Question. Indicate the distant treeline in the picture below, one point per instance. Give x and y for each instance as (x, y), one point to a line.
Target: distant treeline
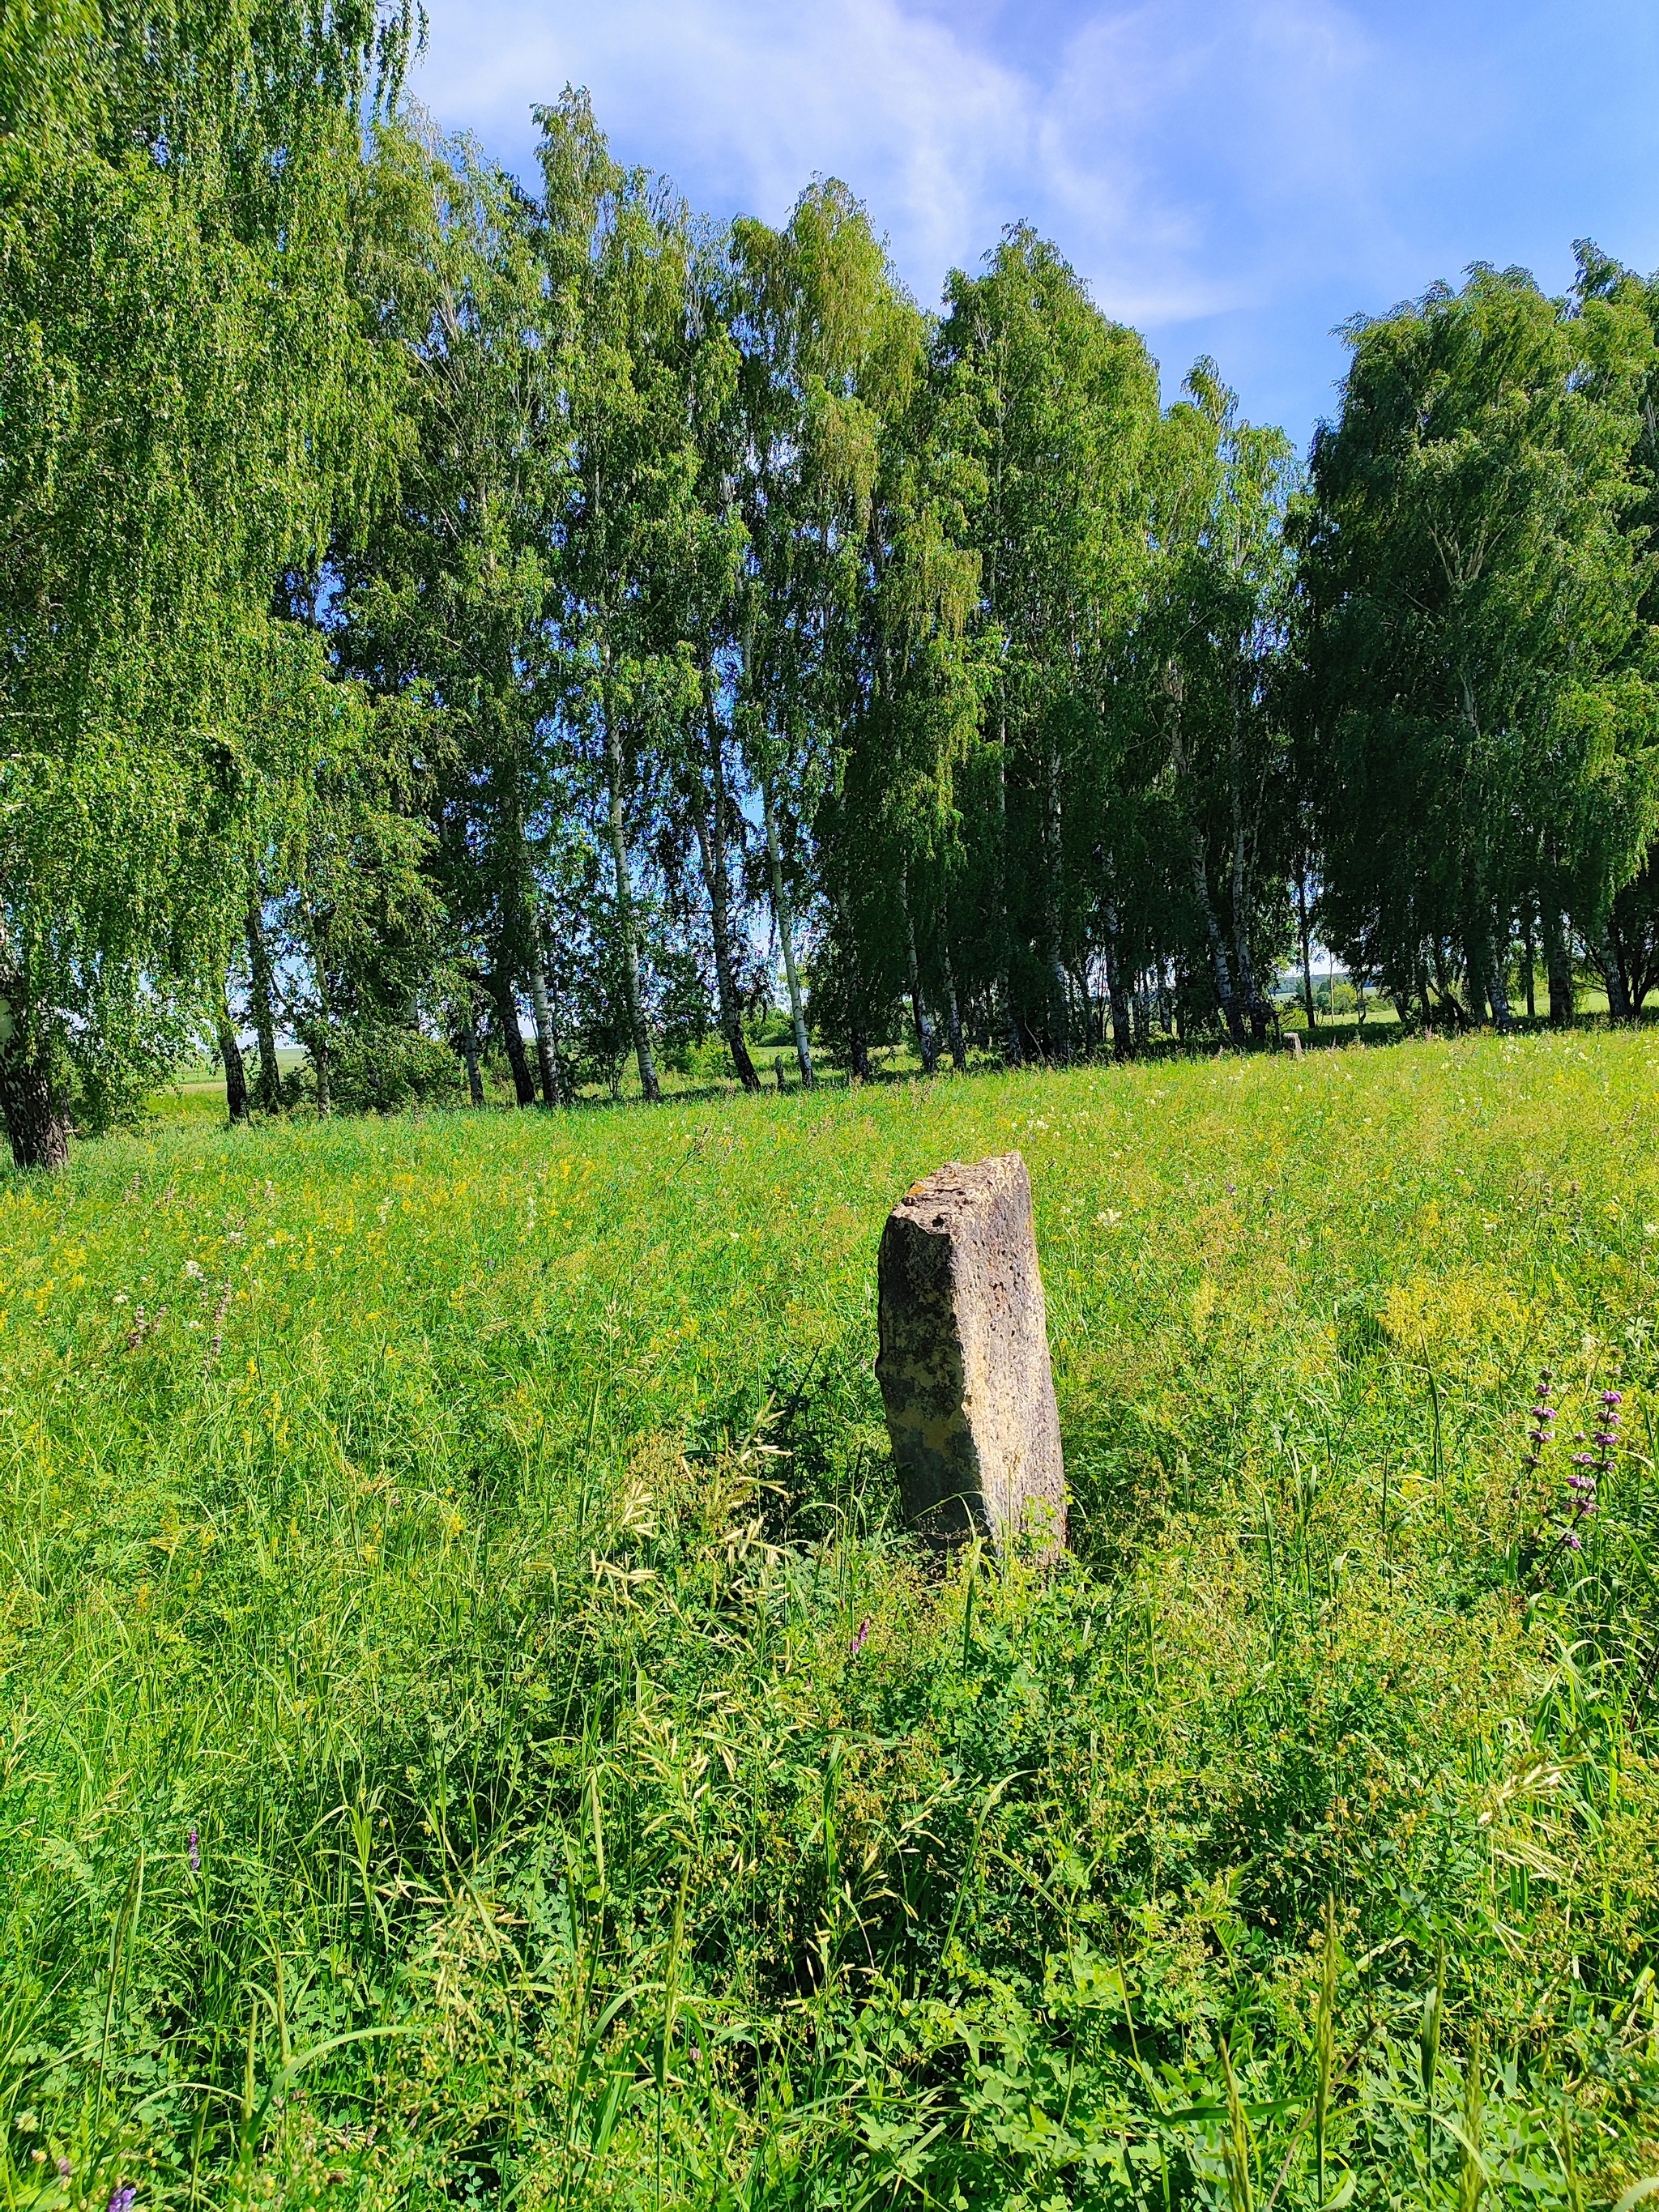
(433, 606)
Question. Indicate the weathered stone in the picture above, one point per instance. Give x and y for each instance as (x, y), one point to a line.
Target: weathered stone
(963, 1364)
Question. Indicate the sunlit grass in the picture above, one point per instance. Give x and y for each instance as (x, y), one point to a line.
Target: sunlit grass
(461, 1526)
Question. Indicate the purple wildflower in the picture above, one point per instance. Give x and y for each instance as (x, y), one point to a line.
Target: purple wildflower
(195, 1855)
(64, 2169)
(861, 1636)
(1613, 1397)
(121, 2199)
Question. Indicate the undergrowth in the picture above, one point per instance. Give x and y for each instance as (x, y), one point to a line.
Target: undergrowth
(474, 1731)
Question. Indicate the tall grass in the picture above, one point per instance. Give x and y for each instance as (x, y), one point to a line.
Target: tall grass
(474, 1732)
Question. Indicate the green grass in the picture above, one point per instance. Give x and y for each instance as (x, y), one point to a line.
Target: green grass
(461, 1526)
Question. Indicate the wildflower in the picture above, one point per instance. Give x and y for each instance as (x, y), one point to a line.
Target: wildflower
(63, 2167)
(121, 2199)
(217, 1344)
(1613, 1397)
(193, 1269)
(861, 1636)
(195, 1854)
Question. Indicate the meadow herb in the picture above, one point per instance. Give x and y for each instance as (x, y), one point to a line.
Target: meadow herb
(609, 1805)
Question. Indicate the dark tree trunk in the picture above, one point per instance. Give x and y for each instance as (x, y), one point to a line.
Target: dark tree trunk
(261, 995)
(858, 1052)
(712, 850)
(37, 1127)
(1606, 948)
(1558, 966)
(1123, 1042)
(230, 1052)
(506, 1020)
(918, 1006)
(1304, 939)
(475, 1090)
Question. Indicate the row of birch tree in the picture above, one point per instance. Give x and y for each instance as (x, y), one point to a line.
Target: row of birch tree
(520, 632)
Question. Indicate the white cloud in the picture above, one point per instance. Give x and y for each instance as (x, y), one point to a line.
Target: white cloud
(741, 102)
(1149, 134)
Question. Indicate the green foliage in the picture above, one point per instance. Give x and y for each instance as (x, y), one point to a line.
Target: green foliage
(457, 1533)
(382, 1070)
(189, 404)
(1479, 678)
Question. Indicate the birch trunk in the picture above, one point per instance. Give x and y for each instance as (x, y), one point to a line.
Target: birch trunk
(1557, 967)
(475, 1090)
(320, 1029)
(643, 1053)
(1012, 1047)
(952, 1005)
(1498, 992)
(1123, 1042)
(1252, 1008)
(499, 986)
(1223, 982)
(918, 1006)
(786, 934)
(1307, 958)
(1059, 997)
(260, 993)
(541, 1007)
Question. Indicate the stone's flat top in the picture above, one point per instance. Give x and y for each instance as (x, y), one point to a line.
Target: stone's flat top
(975, 1181)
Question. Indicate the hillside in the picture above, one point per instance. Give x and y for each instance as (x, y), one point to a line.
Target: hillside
(473, 1731)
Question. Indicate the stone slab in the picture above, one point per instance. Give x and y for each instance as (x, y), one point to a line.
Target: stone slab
(963, 1364)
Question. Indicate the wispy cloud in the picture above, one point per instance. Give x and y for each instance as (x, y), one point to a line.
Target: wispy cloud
(1238, 172)
(947, 139)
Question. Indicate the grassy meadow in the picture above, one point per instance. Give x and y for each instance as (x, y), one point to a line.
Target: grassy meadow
(474, 1733)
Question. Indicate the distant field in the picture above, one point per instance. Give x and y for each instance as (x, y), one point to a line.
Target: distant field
(436, 1766)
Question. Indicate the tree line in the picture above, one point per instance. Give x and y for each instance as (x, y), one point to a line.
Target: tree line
(468, 625)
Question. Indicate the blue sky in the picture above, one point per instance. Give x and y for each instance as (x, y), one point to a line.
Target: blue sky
(1234, 178)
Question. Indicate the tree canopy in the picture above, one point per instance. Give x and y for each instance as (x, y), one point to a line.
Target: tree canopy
(453, 619)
